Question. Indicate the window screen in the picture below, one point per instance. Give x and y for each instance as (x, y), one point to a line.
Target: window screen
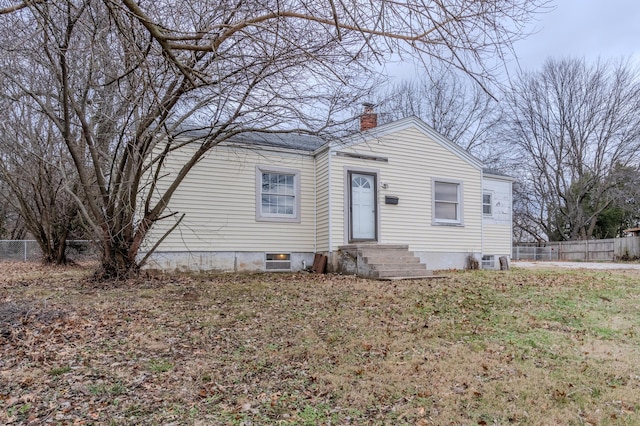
(446, 201)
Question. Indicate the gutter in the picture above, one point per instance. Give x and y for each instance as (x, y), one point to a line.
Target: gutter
(329, 200)
(315, 205)
(482, 216)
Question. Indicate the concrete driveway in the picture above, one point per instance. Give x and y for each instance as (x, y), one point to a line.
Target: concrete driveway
(575, 265)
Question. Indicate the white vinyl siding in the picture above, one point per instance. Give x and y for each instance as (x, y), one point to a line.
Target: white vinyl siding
(413, 159)
(322, 201)
(219, 199)
(496, 239)
(497, 228)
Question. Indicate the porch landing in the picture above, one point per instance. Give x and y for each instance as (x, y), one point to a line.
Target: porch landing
(381, 261)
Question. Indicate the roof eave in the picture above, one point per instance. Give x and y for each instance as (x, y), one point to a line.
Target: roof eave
(498, 177)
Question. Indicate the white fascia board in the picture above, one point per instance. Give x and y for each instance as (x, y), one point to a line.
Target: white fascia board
(323, 148)
(403, 124)
(498, 177)
(268, 148)
(255, 147)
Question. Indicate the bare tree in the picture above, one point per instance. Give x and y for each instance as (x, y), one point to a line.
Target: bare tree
(574, 127)
(11, 223)
(463, 112)
(36, 172)
(121, 80)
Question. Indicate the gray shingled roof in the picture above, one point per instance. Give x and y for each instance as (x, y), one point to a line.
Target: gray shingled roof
(296, 141)
(281, 140)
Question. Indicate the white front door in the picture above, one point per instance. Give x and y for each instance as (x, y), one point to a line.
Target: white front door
(363, 207)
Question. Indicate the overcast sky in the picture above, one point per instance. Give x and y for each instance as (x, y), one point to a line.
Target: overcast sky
(609, 29)
(590, 29)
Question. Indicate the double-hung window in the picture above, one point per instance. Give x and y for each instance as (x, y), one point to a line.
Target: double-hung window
(277, 194)
(447, 202)
(487, 204)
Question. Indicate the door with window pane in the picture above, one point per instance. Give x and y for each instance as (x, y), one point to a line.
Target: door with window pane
(363, 207)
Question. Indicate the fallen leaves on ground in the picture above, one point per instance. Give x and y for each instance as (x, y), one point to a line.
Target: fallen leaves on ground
(470, 348)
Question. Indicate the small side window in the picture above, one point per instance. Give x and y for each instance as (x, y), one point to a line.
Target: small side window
(487, 204)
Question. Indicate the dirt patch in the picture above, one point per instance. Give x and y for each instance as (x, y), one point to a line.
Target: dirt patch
(16, 316)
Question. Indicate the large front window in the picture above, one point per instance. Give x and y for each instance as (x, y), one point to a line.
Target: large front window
(277, 194)
(447, 202)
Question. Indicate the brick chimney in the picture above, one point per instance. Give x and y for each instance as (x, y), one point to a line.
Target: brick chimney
(369, 119)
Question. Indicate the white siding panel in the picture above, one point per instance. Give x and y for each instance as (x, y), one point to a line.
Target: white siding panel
(219, 199)
(413, 160)
(497, 228)
(338, 226)
(500, 191)
(496, 240)
(322, 204)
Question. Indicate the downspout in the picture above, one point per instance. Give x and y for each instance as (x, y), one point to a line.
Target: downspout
(329, 200)
(511, 222)
(482, 216)
(315, 204)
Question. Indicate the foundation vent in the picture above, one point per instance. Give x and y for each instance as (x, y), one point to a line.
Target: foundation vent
(488, 262)
(278, 262)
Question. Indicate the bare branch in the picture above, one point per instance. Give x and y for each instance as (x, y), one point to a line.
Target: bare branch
(19, 6)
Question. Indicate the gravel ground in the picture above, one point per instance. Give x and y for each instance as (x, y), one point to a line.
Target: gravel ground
(575, 265)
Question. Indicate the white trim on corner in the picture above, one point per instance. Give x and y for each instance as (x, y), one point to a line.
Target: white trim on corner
(315, 205)
(482, 217)
(511, 219)
(262, 217)
(460, 204)
(329, 196)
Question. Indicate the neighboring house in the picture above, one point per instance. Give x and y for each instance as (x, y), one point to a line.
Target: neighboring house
(270, 202)
(632, 232)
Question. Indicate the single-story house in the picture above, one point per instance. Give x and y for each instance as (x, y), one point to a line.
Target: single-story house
(265, 202)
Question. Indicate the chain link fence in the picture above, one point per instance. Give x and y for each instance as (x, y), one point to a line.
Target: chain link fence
(535, 253)
(29, 251)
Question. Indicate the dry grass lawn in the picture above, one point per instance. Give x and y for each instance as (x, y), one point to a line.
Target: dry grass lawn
(471, 348)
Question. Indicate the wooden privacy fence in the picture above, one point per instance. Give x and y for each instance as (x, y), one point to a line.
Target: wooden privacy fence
(586, 250)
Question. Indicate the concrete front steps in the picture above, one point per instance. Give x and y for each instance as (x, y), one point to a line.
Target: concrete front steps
(381, 261)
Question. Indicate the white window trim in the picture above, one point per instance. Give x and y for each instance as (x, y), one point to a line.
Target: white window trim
(490, 194)
(270, 217)
(460, 207)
